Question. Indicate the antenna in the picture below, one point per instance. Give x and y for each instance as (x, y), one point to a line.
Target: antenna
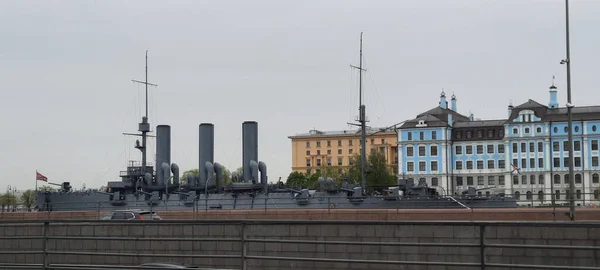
(144, 126)
(362, 120)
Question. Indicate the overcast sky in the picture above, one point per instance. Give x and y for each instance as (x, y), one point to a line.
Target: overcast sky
(66, 69)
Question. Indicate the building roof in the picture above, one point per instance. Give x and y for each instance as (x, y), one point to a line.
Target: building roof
(333, 133)
(480, 123)
(435, 117)
(558, 114)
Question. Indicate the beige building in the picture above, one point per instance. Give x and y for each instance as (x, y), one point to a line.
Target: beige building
(316, 149)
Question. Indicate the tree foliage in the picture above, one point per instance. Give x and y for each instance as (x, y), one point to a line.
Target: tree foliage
(28, 199)
(8, 200)
(226, 175)
(377, 172)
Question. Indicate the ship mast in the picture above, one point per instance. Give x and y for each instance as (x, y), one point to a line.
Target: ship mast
(362, 120)
(144, 126)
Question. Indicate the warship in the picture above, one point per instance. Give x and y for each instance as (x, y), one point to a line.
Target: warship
(160, 187)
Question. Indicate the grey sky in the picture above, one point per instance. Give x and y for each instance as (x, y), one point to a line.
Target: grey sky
(66, 70)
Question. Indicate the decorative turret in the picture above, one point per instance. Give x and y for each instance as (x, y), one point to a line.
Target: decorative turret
(443, 102)
(510, 109)
(553, 96)
(453, 102)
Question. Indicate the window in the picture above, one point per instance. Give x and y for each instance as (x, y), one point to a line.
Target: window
(458, 149)
(515, 180)
(501, 181)
(532, 163)
(318, 152)
(566, 129)
(500, 149)
(459, 181)
(523, 163)
(517, 195)
(566, 146)
(409, 135)
(382, 141)
(577, 161)
(328, 143)
(339, 161)
(576, 129)
(459, 135)
(523, 147)
(350, 151)
(328, 161)
(578, 179)
(469, 149)
(578, 192)
(307, 144)
(469, 180)
(459, 165)
(308, 152)
(555, 146)
(557, 194)
(501, 164)
(524, 179)
(556, 162)
(491, 180)
(339, 142)
(490, 133)
(567, 179)
(594, 145)
(596, 192)
(480, 164)
(577, 146)
(434, 182)
(490, 164)
(480, 134)
(531, 147)
(469, 134)
(329, 152)
(469, 164)
(434, 166)
(421, 151)
(421, 135)
(480, 149)
(350, 142)
(490, 149)
(532, 179)
(526, 130)
(480, 181)
(594, 161)
(339, 151)
(594, 128)
(595, 178)
(566, 162)
(556, 179)
(541, 163)
(422, 166)
(307, 162)
(434, 150)
(541, 180)
(538, 130)
(318, 143)
(410, 151)
(410, 166)
(515, 162)
(555, 130)
(372, 141)
(515, 148)
(529, 195)
(434, 137)
(318, 162)
(515, 131)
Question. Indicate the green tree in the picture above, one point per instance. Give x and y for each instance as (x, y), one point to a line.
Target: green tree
(28, 199)
(226, 175)
(7, 200)
(378, 173)
(296, 179)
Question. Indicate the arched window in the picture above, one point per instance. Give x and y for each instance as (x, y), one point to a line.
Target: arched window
(567, 179)
(541, 196)
(529, 195)
(532, 179)
(541, 180)
(517, 195)
(578, 179)
(524, 179)
(556, 179)
(595, 178)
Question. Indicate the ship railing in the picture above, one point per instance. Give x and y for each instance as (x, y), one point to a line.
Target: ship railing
(298, 244)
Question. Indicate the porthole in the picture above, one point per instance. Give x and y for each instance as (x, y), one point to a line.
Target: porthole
(555, 130)
(566, 129)
(576, 129)
(594, 128)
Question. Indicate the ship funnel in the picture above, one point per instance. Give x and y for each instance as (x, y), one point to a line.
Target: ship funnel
(249, 149)
(163, 150)
(206, 142)
(262, 167)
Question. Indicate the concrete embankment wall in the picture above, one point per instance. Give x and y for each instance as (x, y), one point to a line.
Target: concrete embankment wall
(133, 243)
(516, 214)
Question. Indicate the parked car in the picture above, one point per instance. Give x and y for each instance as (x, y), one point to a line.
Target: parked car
(131, 214)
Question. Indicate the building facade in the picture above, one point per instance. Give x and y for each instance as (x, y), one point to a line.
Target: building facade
(525, 154)
(317, 149)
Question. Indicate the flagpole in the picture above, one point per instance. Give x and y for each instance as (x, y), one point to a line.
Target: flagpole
(36, 181)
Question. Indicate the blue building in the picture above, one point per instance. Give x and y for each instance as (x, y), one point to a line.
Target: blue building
(525, 154)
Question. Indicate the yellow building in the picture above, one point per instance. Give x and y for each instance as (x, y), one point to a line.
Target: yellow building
(316, 149)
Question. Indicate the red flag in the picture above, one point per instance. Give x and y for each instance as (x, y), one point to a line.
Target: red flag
(40, 177)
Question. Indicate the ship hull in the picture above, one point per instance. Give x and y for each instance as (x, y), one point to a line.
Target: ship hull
(74, 201)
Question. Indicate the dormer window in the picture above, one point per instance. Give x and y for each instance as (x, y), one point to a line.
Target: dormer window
(421, 123)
